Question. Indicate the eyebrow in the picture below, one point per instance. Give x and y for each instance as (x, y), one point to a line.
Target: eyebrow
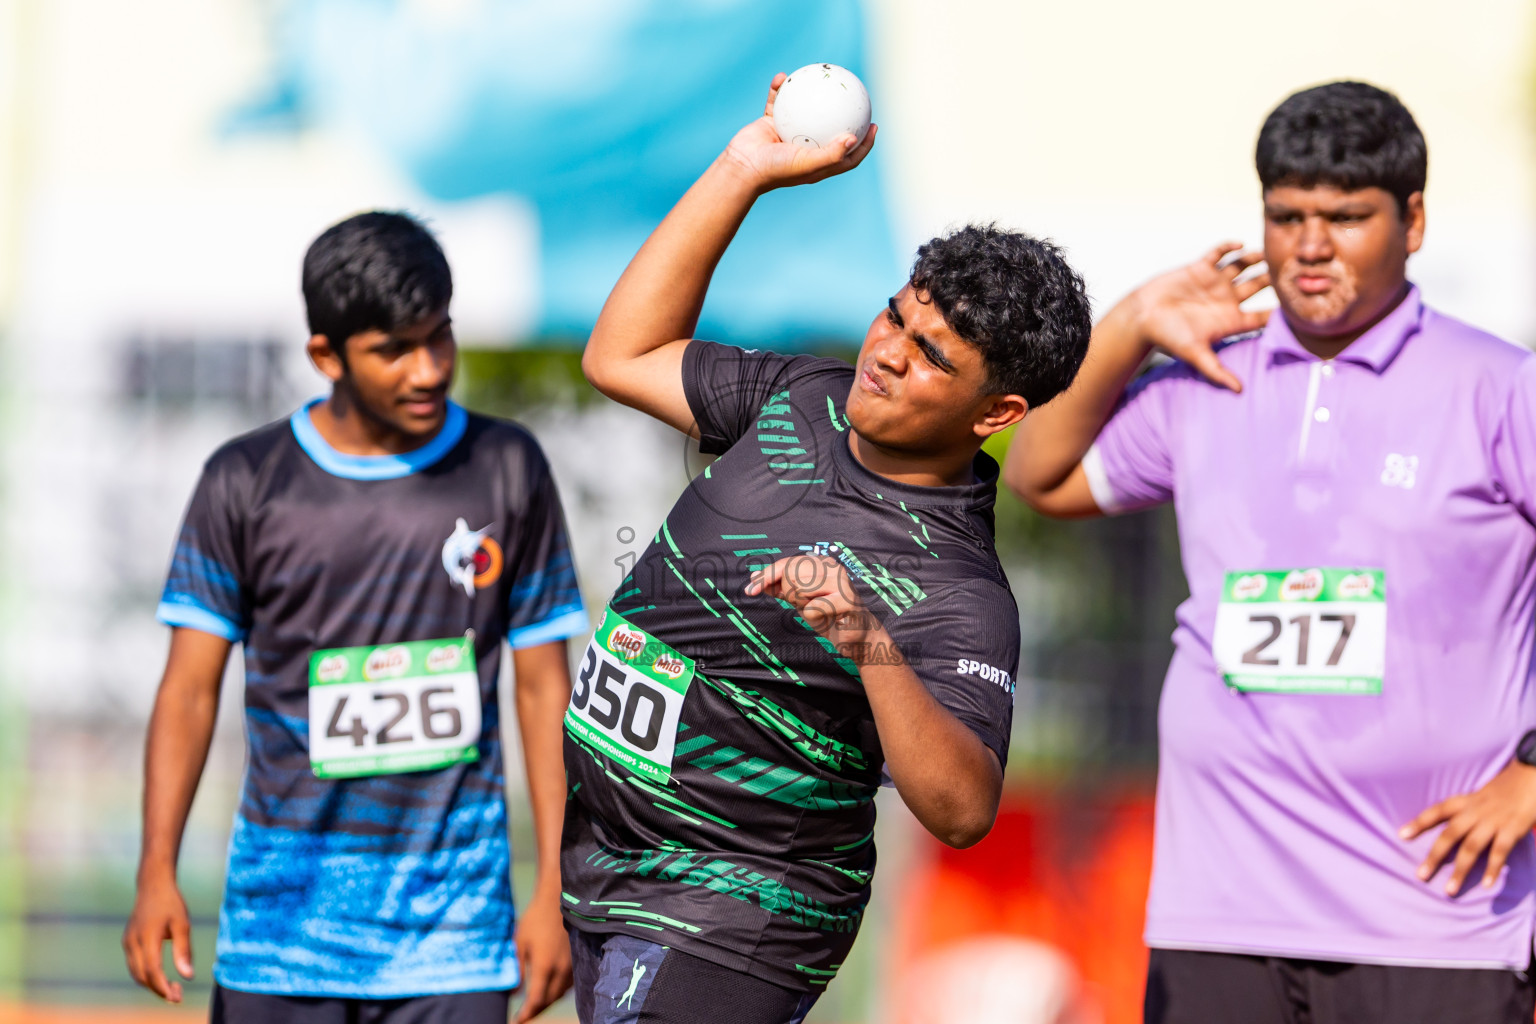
(927, 347)
(1348, 209)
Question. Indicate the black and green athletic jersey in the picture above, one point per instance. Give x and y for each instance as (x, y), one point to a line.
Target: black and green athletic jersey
(757, 852)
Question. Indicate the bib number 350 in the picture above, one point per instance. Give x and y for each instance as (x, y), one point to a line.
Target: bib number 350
(627, 699)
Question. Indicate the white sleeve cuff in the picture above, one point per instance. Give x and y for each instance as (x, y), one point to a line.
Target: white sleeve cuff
(1098, 483)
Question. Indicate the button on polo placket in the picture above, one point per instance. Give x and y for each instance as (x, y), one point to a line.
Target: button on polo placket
(1316, 444)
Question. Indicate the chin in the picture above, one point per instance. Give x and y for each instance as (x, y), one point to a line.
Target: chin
(420, 426)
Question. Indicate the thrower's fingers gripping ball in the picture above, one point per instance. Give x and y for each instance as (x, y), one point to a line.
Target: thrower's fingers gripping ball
(818, 103)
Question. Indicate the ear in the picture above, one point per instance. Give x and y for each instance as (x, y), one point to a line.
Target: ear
(1000, 413)
(325, 358)
(1413, 216)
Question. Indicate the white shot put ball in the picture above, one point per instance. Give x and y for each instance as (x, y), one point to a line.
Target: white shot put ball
(818, 103)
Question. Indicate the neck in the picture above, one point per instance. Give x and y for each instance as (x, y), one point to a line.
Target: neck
(947, 470)
(1328, 346)
(351, 429)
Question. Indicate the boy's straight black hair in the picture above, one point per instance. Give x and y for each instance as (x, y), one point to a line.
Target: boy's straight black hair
(1347, 134)
(375, 271)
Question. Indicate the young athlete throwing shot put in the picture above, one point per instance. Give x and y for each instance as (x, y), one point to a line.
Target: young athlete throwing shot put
(1356, 499)
(370, 552)
(822, 604)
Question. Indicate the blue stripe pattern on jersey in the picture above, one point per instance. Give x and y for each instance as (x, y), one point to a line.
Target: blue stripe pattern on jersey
(329, 912)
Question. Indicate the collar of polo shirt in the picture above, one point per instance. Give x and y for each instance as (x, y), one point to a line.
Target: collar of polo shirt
(1376, 348)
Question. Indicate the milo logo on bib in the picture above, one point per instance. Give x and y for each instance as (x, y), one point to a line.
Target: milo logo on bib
(1302, 585)
(387, 663)
(626, 642)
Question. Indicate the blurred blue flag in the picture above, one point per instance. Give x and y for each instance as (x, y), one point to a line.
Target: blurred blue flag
(601, 113)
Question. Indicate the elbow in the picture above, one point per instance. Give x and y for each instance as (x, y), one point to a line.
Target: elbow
(1017, 478)
(963, 825)
(964, 833)
(592, 367)
(1030, 493)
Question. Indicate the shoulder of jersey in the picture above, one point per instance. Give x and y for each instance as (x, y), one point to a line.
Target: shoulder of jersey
(250, 450)
(989, 602)
(508, 438)
(805, 367)
(1472, 346)
(1166, 368)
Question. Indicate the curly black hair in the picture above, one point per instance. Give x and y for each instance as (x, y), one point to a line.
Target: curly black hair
(1346, 134)
(1013, 297)
(375, 271)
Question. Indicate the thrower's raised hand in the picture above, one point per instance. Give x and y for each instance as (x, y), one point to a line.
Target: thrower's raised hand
(769, 162)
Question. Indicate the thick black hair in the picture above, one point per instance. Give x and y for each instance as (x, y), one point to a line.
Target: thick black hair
(1346, 134)
(1013, 297)
(373, 272)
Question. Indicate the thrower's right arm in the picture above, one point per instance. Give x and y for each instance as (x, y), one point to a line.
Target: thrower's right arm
(635, 354)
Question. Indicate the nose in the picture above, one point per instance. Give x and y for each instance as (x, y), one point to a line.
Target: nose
(431, 366)
(1316, 242)
(890, 353)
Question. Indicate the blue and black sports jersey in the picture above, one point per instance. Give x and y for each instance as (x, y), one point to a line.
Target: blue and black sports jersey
(385, 885)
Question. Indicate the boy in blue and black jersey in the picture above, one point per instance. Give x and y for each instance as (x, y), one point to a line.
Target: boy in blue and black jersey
(370, 552)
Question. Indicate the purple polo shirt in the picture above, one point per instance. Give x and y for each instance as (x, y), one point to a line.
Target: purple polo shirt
(1413, 453)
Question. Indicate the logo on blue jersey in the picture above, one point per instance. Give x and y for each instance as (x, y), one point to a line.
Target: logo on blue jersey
(472, 558)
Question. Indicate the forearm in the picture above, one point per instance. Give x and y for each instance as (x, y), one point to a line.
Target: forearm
(1052, 440)
(180, 733)
(542, 693)
(659, 296)
(949, 779)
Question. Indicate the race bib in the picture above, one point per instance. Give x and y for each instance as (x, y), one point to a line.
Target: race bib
(628, 697)
(1303, 631)
(397, 708)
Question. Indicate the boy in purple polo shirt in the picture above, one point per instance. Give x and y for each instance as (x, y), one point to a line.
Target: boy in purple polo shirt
(1356, 499)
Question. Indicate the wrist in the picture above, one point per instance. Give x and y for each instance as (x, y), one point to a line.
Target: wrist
(867, 647)
(154, 874)
(736, 177)
(1127, 322)
(1525, 750)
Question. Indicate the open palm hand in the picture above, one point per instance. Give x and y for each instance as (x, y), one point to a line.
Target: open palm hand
(1185, 312)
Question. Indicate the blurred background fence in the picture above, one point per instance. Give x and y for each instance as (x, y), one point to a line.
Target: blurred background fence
(163, 164)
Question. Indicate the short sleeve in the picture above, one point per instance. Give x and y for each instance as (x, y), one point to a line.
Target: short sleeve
(727, 388)
(204, 589)
(544, 602)
(963, 643)
(1130, 465)
(1513, 451)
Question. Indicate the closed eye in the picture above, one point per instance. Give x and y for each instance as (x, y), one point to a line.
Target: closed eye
(892, 314)
(933, 355)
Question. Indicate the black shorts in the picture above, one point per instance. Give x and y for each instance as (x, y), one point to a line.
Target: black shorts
(622, 979)
(232, 1007)
(1188, 987)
